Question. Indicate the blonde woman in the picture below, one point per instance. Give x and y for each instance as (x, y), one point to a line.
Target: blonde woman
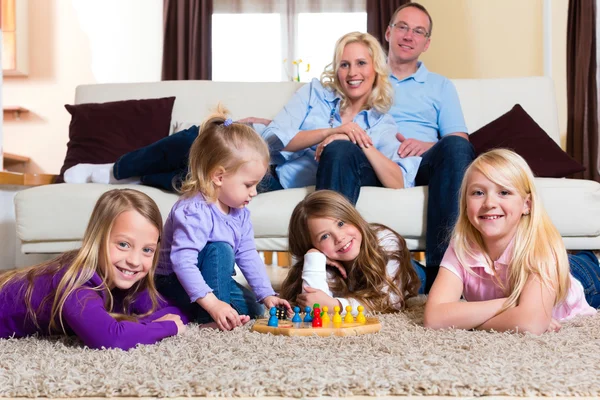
(103, 293)
(334, 133)
(507, 258)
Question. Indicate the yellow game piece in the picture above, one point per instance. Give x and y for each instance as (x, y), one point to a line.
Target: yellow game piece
(337, 318)
(348, 318)
(325, 316)
(360, 318)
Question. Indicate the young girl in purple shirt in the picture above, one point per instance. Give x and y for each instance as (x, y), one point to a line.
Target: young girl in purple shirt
(209, 230)
(104, 292)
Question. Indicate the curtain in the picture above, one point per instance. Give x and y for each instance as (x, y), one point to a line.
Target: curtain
(187, 40)
(379, 14)
(582, 89)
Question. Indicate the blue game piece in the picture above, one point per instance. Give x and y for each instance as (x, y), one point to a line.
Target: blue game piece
(273, 321)
(307, 317)
(297, 317)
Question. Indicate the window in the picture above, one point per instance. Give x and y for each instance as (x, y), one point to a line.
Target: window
(251, 40)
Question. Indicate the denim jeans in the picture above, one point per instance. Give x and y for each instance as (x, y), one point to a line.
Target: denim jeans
(442, 169)
(585, 268)
(162, 164)
(270, 182)
(421, 273)
(216, 263)
(344, 167)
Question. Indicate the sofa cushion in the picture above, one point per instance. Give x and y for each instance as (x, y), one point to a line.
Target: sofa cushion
(516, 130)
(100, 133)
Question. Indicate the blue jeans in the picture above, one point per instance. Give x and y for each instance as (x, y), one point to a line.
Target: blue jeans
(216, 263)
(343, 167)
(270, 182)
(421, 273)
(162, 164)
(585, 268)
(442, 169)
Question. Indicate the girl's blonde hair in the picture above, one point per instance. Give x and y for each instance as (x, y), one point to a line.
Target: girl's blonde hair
(221, 143)
(382, 95)
(538, 247)
(367, 276)
(93, 257)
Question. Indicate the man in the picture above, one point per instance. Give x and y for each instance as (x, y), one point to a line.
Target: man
(430, 122)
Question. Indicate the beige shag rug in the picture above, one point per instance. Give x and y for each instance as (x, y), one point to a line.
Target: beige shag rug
(403, 359)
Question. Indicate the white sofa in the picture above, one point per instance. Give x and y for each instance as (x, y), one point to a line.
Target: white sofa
(52, 218)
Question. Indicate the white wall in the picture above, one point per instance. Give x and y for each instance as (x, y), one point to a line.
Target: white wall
(74, 42)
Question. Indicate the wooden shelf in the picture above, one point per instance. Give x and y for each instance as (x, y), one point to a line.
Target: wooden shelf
(14, 178)
(15, 110)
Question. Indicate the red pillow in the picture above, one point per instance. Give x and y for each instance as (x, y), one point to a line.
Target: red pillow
(100, 133)
(517, 131)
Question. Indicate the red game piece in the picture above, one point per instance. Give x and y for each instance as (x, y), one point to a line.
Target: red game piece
(317, 322)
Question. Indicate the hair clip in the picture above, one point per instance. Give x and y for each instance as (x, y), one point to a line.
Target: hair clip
(227, 122)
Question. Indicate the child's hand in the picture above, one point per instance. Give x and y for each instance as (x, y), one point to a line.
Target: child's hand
(313, 296)
(332, 263)
(226, 317)
(274, 301)
(554, 326)
(175, 318)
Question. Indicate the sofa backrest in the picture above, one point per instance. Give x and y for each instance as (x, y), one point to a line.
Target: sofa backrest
(482, 100)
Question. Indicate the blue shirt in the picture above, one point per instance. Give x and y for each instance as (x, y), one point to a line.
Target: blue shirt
(426, 106)
(316, 107)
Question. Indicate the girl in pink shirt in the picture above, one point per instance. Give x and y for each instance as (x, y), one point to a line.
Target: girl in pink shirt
(507, 259)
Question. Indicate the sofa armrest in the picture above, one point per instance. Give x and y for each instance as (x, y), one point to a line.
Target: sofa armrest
(13, 178)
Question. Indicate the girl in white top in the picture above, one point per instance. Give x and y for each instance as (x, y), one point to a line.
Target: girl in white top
(506, 257)
(343, 260)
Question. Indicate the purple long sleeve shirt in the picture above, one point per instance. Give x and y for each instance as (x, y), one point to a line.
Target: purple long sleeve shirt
(191, 224)
(84, 314)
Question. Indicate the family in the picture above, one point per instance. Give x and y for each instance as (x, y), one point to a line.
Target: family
(371, 120)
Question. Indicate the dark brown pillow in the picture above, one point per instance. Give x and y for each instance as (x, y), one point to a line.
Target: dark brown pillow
(517, 131)
(100, 133)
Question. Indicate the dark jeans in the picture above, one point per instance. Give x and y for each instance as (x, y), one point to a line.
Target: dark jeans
(343, 167)
(585, 268)
(270, 182)
(162, 164)
(442, 169)
(216, 263)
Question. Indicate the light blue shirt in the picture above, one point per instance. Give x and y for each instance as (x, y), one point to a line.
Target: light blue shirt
(426, 106)
(316, 107)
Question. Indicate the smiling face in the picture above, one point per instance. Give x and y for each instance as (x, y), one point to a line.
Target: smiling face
(336, 239)
(494, 210)
(405, 45)
(356, 72)
(132, 243)
(237, 189)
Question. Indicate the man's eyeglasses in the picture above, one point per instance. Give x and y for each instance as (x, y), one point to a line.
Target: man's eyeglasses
(403, 28)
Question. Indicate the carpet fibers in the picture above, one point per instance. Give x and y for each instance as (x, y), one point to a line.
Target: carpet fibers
(403, 359)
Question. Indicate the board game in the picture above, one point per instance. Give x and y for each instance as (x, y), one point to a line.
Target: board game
(278, 324)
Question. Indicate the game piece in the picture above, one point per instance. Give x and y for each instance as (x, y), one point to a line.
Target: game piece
(348, 318)
(360, 318)
(337, 318)
(317, 322)
(316, 305)
(325, 316)
(281, 312)
(273, 321)
(307, 317)
(296, 317)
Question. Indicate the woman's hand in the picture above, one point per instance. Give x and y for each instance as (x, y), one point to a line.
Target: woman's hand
(356, 134)
(312, 296)
(321, 146)
(175, 318)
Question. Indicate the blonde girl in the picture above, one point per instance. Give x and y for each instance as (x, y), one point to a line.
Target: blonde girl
(343, 260)
(209, 230)
(507, 258)
(104, 292)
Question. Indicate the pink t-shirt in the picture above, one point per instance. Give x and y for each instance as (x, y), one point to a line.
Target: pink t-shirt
(481, 286)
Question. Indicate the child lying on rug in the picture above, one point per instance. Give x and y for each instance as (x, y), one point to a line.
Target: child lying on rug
(507, 258)
(209, 230)
(343, 260)
(103, 293)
